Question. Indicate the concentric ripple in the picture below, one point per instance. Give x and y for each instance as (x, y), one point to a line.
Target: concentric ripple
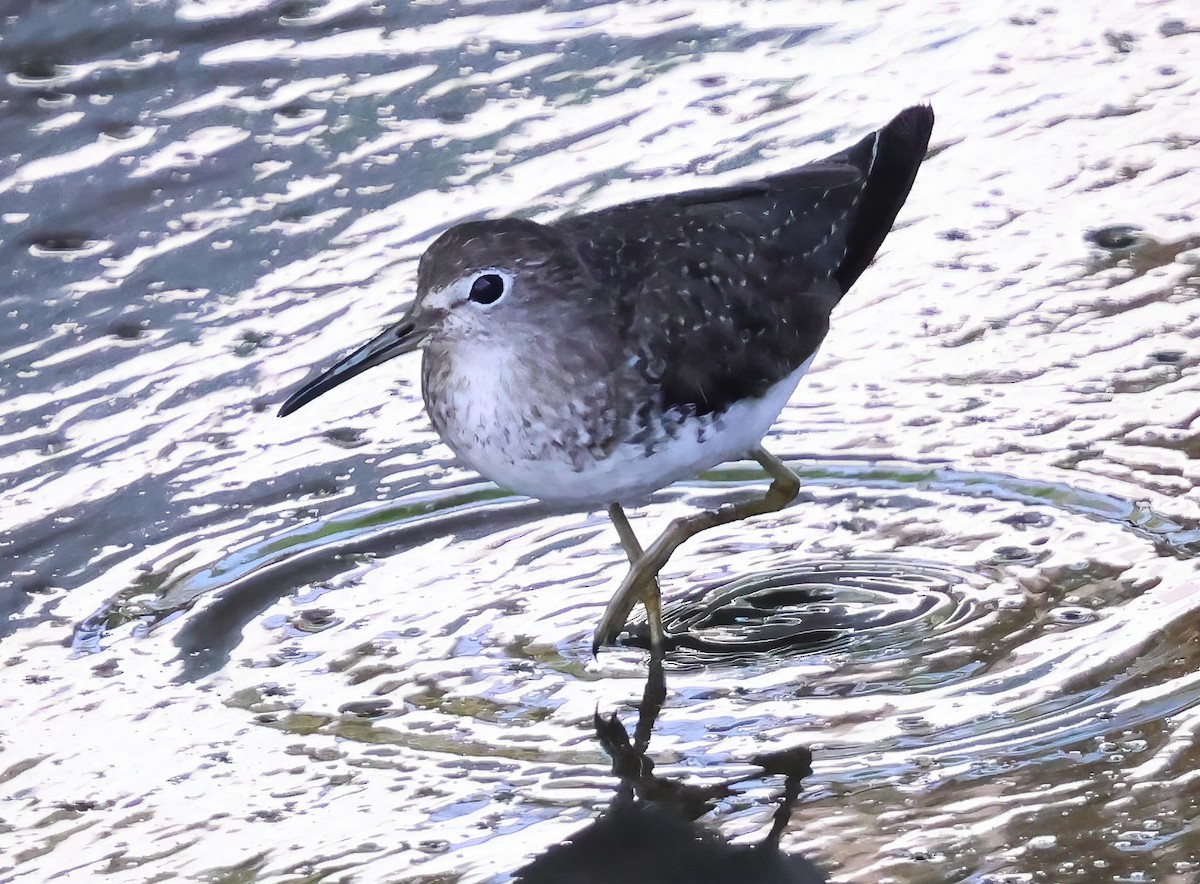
(851, 604)
(913, 624)
(901, 570)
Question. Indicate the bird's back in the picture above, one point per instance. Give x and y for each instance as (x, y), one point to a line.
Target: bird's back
(723, 292)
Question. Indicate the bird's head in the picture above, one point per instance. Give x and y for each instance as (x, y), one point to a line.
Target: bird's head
(480, 281)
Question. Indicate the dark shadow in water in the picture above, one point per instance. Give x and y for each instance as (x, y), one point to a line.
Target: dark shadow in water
(649, 833)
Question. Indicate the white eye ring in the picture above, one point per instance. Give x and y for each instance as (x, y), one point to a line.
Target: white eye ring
(488, 287)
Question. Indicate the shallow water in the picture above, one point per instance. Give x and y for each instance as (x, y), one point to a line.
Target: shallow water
(238, 648)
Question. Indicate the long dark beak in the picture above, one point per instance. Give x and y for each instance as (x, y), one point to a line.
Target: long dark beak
(403, 337)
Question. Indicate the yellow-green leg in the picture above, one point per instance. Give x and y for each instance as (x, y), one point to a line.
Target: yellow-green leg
(649, 594)
(644, 566)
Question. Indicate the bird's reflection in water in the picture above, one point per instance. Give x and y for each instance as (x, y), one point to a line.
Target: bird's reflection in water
(650, 832)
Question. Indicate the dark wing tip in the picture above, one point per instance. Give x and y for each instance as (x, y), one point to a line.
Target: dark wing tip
(913, 124)
(895, 152)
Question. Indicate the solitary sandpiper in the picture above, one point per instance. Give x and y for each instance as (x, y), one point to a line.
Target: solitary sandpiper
(600, 357)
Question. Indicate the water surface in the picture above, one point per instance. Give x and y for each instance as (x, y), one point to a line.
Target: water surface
(239, 648)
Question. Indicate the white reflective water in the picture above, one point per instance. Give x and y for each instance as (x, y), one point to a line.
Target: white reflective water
(239, 648)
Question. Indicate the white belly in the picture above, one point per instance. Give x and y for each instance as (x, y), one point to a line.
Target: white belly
(627, 471)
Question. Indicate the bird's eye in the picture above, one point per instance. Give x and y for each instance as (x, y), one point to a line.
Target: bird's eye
(487, 288)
